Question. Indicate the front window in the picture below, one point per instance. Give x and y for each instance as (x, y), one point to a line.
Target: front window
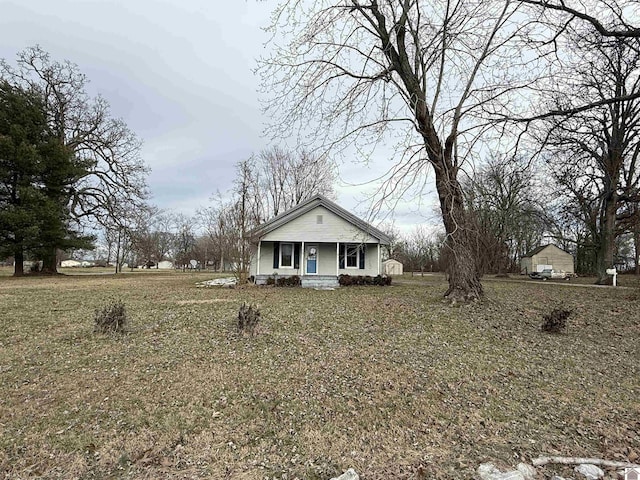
(286, 255)
(352, 256)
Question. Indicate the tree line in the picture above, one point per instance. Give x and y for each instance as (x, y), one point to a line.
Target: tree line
(218, 236)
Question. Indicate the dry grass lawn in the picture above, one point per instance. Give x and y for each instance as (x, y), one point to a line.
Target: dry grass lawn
(383, 380)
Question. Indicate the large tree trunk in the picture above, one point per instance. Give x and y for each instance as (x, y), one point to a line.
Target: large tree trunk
(605, 252)
(636, 246)
(461, 262)
(18, 257)
(50, 263)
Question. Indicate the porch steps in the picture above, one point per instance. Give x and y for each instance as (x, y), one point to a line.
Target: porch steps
(319, 281)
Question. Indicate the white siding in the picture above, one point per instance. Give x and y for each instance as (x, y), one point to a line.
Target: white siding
(370, 263)
(551, 255)
(266, 262)
(526, 265)
(555, 257)
(307, 229)
(327, 261)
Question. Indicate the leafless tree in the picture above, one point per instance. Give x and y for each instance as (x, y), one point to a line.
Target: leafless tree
(420, 250)
(595, 154)
(116, 173)
(184, 238)
(508, 206)
(288, 178)
(213, 220)
(248, 210)
(354, 74)
(124, 234)
(230, 218)
(616, 19)
(394, 247)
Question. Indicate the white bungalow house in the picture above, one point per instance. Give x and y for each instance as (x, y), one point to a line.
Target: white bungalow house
(318, 241)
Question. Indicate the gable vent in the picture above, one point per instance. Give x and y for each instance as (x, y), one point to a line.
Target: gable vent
(319, 219)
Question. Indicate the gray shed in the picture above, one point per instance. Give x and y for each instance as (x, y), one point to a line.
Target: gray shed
(544, 257)
(392, 267)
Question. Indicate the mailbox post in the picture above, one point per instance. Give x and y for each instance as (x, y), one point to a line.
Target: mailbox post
(612, 271)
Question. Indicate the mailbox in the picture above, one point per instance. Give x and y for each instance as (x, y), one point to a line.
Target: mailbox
(611, 271)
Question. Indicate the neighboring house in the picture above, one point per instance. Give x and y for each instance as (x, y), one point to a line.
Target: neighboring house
(545, 257)
(318, 241)
(392, 267)
(165, 265)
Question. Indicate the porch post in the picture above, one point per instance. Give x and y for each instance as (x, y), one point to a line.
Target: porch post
(379, 258)
(302, 260)
(337, 258)
(258, 261)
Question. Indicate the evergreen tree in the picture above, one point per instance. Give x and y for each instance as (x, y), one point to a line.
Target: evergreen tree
(36, 174)
(22, 125)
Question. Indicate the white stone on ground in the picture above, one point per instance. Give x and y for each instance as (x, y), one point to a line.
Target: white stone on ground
(527, 471)
(590, 472)
(488, 471)
(218, 282)
(348, 475)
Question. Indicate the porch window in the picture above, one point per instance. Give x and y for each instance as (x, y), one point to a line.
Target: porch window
(352, 256)
(286, 255)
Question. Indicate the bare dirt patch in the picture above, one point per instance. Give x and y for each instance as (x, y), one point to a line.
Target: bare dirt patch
(202, 301)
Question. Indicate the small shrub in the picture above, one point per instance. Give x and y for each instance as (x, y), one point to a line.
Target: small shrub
(556, 321)
(111, 318)
(271, 281)
(383, 281)
(248, 318)
(292, 281)
(348, 280)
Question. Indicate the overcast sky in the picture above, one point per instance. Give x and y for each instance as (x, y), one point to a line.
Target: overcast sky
(179, 72)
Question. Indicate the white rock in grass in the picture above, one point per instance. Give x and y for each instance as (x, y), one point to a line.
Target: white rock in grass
(348, 475)
(590, 472)
(488, 471)
(527, 471)
(510, 475)
(228, 282)
(557, 477)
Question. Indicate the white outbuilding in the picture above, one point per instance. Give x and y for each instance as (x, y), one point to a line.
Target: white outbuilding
(392, 267)
(546, 257)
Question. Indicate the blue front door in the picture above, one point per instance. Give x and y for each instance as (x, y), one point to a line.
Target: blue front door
(312, 259)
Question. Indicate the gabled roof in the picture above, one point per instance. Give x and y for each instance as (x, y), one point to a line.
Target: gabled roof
(537, 250)
(310, 204)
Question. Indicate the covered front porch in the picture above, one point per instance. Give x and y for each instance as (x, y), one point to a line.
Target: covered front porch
(316, 263)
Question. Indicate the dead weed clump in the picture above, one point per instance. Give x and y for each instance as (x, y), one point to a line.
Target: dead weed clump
(248, 318)
(111, 318)
(556, 321)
